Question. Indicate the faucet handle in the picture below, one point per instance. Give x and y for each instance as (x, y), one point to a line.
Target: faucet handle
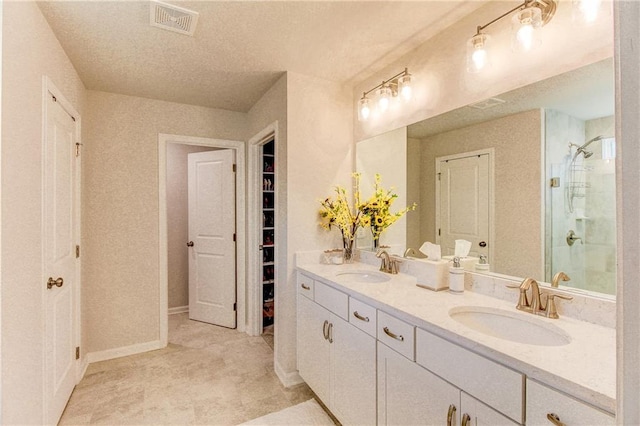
(523, 302)
(394, 264)
(551, 310)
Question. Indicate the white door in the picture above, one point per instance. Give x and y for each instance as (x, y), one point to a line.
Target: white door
(212, 227)
(59, 250)
(464, 203)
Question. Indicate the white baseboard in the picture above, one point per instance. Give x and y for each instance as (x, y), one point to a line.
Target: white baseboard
(123, 351)
(287, 379)
(82, 369)
(178, 310)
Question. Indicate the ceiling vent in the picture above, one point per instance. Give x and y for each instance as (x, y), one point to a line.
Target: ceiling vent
(173, 18)
(487, 103)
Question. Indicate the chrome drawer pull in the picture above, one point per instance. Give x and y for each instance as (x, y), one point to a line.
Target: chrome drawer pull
(393, 335)
(325, 332)
(360, 317)
(306, 287)
(330, 332)
(554, 419)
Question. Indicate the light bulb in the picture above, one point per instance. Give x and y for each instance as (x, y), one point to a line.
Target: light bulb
(477, 55)
(404, 86)
(524, 35)
(364, 110)
(525, 23)
(384, 98)
(586, 10)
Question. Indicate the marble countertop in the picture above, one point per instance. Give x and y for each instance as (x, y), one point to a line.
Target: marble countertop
(584, 368)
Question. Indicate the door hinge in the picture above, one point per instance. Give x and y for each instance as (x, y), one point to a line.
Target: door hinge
(77, 252)
(77, 352)
(234, 168)
(235, 307)
(439, 232)
(439, 174)
(234, 237)
(78, 149)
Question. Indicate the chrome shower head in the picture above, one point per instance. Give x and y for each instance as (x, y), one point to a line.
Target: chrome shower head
(584, 152)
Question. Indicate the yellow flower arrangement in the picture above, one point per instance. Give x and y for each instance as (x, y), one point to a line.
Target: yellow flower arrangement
(338, 213)
(378, 209)
(375, 212)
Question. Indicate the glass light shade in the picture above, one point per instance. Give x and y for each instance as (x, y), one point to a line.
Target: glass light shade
(384, 98)
(524, 26)
(404, 87)
(586, 10)
(364, 109)
(477, 55)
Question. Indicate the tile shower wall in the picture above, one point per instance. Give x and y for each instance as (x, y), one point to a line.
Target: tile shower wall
(583, 202)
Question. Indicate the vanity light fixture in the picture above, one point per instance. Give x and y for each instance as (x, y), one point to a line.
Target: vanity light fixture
(399, 84)
(530, 15)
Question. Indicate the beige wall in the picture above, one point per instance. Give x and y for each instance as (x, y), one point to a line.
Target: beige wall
(120, 217)
(27, 41)
(517, 142)
(441, 82)
(178, 221)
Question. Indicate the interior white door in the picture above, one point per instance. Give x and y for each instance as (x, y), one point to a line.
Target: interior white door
(464, 203)
(59, 239)
(212, 248)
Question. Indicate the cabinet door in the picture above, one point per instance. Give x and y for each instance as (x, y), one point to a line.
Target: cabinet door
(410, 395)
(482, 415)
(353, 374)
(313, 348)
(542, 400)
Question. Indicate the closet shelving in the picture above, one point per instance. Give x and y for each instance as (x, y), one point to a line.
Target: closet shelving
(268, 233)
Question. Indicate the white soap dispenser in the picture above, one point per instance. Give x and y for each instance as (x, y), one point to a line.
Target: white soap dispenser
(482, 264)
(456, 277)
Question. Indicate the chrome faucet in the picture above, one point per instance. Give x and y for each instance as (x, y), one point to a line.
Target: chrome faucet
(387, 263)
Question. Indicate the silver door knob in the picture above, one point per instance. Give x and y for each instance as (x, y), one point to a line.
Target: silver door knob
(57, 282)
(190, 244)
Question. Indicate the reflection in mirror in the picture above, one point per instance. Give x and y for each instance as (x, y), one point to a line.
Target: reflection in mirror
(544, 199)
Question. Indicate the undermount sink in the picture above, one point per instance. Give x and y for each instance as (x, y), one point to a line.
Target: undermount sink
(513, 326)
(364, 276)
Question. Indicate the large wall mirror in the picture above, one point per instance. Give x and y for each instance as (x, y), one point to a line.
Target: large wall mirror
(527, 176)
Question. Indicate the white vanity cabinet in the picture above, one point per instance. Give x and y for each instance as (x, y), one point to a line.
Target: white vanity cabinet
(335, 358)
(544, 402)
(411, 395)
(492, 394)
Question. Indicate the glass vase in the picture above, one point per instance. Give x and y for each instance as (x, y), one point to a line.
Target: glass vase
(348, 252)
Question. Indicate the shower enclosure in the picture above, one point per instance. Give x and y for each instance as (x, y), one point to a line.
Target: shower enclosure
(580, 237)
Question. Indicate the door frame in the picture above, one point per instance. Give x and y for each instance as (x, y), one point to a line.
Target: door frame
(491, 153)
(48, 89)
(163, 282)
(254, 299)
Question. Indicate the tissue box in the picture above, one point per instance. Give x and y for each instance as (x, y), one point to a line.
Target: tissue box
(431, 274)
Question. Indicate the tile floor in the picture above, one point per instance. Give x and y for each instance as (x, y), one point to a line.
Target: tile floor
(207, 375)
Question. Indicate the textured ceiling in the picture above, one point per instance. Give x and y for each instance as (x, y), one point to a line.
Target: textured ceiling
(240, 48)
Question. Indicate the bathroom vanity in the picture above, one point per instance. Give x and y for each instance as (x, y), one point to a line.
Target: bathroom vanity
(377, 349)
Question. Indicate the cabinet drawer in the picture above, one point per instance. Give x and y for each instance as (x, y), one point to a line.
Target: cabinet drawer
(542, 400)
(494, 384)
(397, 334)
(332, 299)
(362, 316)
(305, 286)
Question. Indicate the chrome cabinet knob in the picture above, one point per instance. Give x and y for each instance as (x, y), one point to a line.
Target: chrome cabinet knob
(190, 244)
(57, 282)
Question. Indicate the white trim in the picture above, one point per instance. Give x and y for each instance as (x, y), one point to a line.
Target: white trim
(287, 379)
(491, 153)
(124, 351)
(48, 87)
(254, 197)
(178, 310)
(241, 237)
